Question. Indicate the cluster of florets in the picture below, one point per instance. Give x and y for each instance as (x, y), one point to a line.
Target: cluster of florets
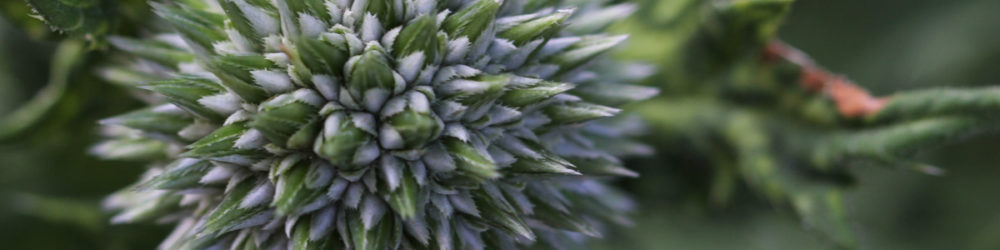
(373, 124)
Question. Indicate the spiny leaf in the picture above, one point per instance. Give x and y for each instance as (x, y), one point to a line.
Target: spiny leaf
(614, 94)
(472, 20)
(502, 216)
(598, 167)
(584, 51)
(544, 163)
(239, 21)
(230, 215)
(234, 71)
(561, 219)
(149, 120)
(405, 199)
(415, 128)
(541, 27)
(534, 94)
(316, 8)
(420, 35)
(150, 208)
(341, 140)
(89, 19)
(385, 235)
(578, 112)
(130, 149)
(305, 136)
(159, 52)
(295, 192)
(371, 79)
(471, 161)
(185, 91)
(322, 57)
(301, 237)
(477, 91)
(182, 174)
(385, 11)
(200, 27)
(221, 143)
(598, 20)
(279, 123)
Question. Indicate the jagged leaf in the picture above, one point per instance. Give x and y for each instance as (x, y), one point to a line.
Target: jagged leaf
(534, 94)
(221, 145)
(384, 235)
(472, 20)
(301, 237)
(185, 91)
(578, 112)
(541, 27)
(234, 71)
(406, 198)
(295, 191)
(232, 215)
(499, 214)
(182, 174)
(150, 120)
(470, 160)
(280, 121)
(89, 19)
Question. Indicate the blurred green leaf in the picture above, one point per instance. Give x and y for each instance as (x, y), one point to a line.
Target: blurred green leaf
(87, 19)
(79, 213)
(68, 57)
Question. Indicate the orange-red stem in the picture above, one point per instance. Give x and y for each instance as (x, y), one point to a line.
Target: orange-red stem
(851, 100)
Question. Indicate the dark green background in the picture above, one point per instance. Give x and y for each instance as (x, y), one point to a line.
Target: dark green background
(50, 188)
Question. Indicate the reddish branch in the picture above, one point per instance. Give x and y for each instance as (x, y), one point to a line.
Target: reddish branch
(851, 100)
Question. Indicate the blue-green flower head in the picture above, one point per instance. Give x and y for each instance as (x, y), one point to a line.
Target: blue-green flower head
(375, 124)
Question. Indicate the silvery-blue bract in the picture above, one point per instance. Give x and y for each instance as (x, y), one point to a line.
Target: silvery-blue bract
(376, 124)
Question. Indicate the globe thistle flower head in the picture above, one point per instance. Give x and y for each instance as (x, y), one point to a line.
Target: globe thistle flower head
(375, 124)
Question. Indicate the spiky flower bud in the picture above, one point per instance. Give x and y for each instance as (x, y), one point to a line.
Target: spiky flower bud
(372, 124)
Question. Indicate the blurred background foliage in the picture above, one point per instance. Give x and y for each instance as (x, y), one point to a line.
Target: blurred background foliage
(718, 97)
(52, 188)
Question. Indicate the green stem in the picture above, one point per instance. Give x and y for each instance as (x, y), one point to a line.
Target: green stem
(68, 56)
(891, 144)
(981, 103)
